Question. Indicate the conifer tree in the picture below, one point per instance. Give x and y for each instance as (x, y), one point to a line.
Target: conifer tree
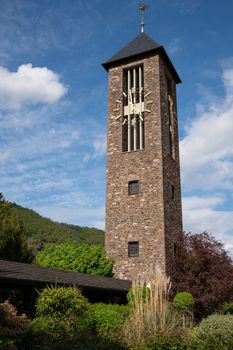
(13, 242)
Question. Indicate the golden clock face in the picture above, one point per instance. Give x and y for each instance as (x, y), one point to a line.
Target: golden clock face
(132, 103)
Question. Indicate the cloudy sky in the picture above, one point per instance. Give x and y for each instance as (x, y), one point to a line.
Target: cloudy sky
(53, 103)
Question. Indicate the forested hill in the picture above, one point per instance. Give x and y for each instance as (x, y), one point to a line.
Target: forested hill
(39, 228)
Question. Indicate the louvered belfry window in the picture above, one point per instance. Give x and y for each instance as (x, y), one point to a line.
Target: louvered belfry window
(133, 109)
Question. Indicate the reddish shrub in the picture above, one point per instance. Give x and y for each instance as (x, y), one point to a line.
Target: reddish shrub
(11, 325)
(203, 268)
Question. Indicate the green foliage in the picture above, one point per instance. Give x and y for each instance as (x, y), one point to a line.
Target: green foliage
(183, 301)
(13, 241)
(7, 345)
(48, 325)
(227, 308)
(49, 333)
(169, 343)
(142, 293)
(59, 332)
(217, 332)
(61, 302)
(76, 257)
(108, 319)
(39, 228)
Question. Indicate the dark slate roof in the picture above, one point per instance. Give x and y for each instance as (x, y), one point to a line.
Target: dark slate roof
(20, 273)
(142, 45)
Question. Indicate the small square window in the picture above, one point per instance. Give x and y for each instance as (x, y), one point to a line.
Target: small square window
(133, 248)
(133, 187)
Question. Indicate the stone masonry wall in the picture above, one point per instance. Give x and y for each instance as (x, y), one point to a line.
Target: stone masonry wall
(147, 217)
(171, 172)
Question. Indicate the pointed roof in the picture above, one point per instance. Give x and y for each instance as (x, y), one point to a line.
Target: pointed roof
(141, 45)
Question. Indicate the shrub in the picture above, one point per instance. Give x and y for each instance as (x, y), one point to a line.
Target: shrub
(108, 319)
(76, 257)
(65, 302)
(227, 308)
(48, 326)
(170, 343)
(216, 331)
(51, 333)
(47, 332)
(183, 301)
(11, 325)
(203, 268)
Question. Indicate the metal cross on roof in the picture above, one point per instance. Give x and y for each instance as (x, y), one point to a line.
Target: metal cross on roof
(142, 8)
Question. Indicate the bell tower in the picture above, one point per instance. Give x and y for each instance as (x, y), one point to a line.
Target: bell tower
(143, 196)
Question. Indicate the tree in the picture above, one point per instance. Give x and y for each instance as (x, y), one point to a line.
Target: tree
(13, 242)
(76, 257)
(203, 268)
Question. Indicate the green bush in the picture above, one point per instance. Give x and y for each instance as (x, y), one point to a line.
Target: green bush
(48, 332)
(169, 343)
(76, 257)
(62, 302)
(108, 319)
(217, 332)
(7, 345)
(183, 301)
(48, 326)
(227, 308)
(51, 333)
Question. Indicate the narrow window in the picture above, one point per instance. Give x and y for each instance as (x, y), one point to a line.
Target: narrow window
(169, 86)
(174, 249)
(133, 109)
(173, 192)
(133, 248)
(170, 120)
(133, 187)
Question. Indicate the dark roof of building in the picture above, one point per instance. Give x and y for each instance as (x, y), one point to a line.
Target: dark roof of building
(20, 273)
(141, 45)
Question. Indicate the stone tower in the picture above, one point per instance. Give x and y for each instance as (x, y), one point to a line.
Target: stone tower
(143, 199)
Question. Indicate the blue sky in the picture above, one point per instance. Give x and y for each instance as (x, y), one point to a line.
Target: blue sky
(53, 103)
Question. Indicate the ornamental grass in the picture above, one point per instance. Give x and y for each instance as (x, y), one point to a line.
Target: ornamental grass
(151, 312)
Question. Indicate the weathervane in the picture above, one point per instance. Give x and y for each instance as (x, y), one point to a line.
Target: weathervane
(142, 8)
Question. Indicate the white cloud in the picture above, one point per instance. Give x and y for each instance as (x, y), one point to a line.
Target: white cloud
(196, 202)
(29, 86)
(207, 148)
(207, 165)
(219, 223)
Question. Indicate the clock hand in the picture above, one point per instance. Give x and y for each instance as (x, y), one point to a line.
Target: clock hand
(118, 117)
